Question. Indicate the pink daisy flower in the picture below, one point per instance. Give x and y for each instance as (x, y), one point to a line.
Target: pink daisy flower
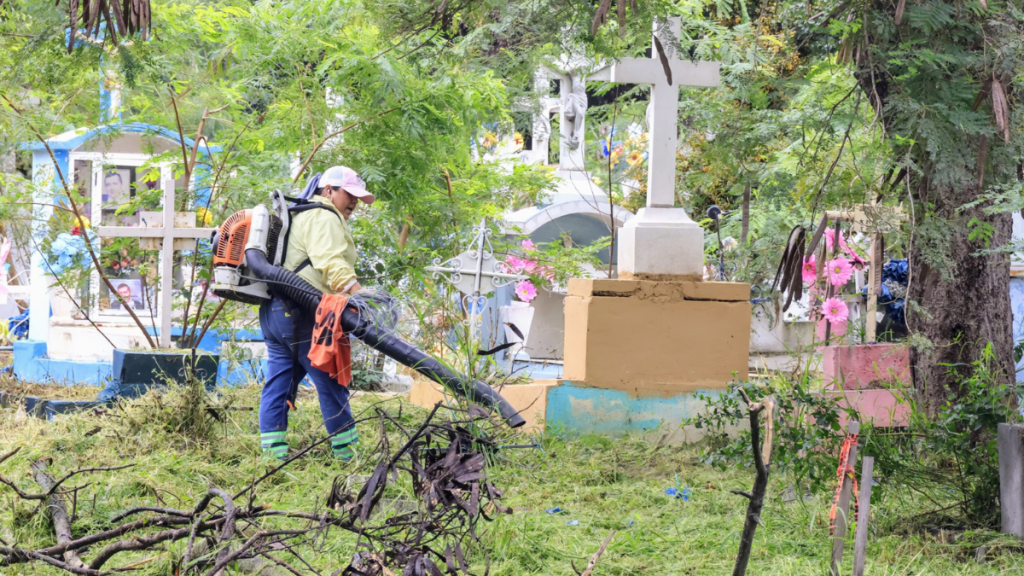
(513, 264)
(526, 291)
(528, 266)
(835, 311)
(855, 259)
(830, 235)
(839, 271)
(810, 270)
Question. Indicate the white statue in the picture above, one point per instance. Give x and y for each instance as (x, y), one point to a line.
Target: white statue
(574, 110)
(541, 130)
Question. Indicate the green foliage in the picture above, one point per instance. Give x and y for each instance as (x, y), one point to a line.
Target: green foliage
(807, 432)
(950, 458)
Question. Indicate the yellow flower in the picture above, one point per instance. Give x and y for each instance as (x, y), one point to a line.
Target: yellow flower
(204, 216)
(635, 157)
(519, 141)
(490, 140)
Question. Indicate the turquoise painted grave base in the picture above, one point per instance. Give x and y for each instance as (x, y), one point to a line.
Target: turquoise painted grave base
(32, 365)
(583, 409)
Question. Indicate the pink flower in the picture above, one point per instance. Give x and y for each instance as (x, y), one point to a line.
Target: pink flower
(526, 291)
(529, 266)
(839, 271)
(528, 246)
(810, 270)
(855, 258)
(835, 311)
(830, 239)
(513, 264)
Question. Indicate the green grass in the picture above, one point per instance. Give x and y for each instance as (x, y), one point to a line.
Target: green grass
(603, 484)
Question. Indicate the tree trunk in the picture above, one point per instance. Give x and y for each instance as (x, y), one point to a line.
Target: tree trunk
(966, 298)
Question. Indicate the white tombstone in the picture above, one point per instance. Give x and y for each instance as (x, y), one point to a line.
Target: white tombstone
(662, 239)
(156, 234)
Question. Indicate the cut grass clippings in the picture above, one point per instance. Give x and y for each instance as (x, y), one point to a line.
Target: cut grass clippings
(598, 484)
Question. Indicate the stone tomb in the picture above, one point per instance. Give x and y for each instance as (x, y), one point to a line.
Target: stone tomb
(659, 329)
(637, 348)
(109, 164)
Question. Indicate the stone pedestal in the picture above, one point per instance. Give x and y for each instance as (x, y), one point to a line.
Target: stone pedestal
(660, 337)
(869, 379)
(866, 366)
(662, 243)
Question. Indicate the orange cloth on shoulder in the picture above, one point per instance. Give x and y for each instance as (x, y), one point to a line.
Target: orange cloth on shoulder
(331, 350)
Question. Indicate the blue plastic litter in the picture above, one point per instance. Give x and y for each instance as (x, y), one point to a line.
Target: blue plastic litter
(573, 523)
(683, 494)
(555, 510)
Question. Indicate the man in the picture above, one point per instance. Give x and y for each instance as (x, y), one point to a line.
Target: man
(321, 250)
(113, 187)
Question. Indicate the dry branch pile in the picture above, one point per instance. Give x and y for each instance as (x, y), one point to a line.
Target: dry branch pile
(445, 462)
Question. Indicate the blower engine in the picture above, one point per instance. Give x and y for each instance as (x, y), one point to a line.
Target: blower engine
(248, 252)
(253, 229)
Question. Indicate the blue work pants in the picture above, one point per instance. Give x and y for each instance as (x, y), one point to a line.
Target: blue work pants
(287, 335)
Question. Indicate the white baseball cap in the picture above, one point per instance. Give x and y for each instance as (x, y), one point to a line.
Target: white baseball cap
(347, 179)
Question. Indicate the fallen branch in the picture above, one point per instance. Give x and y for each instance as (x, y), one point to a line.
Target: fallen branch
(597, 556)
(762, 455)
(57, 510)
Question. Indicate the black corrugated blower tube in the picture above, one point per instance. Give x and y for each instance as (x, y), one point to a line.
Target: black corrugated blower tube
(283, 282)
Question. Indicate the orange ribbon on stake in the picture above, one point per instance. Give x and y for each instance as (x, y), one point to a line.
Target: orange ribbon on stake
(845, 468)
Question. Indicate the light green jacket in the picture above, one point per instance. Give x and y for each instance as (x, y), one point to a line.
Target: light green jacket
(327, 242)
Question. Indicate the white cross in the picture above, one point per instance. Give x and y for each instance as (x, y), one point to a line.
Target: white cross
(153, 235)
(663, 114)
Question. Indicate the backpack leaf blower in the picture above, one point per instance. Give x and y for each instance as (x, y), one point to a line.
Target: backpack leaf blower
(248, 251)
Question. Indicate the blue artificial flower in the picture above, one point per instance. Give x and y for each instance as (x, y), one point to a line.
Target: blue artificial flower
(64, 261)
(18, 325)
(896, 270)
(59, 246)
(896, 310)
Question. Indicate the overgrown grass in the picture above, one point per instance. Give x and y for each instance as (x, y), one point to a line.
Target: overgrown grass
(600, 484)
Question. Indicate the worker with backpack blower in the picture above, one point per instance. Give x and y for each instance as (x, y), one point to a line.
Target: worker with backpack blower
(321, 250)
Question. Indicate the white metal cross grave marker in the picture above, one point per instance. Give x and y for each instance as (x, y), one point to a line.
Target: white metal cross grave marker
(662, 239)
(467, 273)
(153, 235)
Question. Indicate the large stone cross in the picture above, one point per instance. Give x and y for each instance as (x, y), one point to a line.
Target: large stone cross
(181, 234)
(662, 239)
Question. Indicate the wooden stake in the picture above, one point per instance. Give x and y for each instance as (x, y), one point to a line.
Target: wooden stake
(860, 543)
(842, 514)
(874, 287)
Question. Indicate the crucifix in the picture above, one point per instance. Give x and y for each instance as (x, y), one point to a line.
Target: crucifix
(662, 239)
(180, 234)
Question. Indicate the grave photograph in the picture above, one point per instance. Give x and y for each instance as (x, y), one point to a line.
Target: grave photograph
(516, 288)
